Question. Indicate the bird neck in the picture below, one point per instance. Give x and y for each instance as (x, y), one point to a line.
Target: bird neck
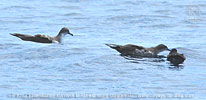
(156, 51)
(59, 38)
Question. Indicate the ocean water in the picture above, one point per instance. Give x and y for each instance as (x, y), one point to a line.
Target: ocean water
(84, 67)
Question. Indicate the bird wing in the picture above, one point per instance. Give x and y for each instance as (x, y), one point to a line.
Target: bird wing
(36, 38)
(43, 38)
(128, 49)
(176, 57)
(21, 35)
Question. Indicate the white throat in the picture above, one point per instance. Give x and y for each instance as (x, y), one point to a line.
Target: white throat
(59, 38)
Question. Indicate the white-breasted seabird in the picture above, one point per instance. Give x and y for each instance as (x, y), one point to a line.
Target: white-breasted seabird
(44, 38)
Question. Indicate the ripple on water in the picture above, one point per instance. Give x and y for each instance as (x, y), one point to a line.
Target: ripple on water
(18, 7)
(73, 14)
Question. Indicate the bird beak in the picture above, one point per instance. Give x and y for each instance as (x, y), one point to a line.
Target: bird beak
(71, 34)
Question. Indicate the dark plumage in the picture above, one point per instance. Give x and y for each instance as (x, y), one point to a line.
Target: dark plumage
(43, 38)
(138, 51)
(175, 58)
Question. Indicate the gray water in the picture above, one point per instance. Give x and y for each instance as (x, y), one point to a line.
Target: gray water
(84, 65)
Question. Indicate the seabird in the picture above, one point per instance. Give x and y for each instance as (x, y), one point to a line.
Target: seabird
(138, 51)
(44, 38)
(175, 58)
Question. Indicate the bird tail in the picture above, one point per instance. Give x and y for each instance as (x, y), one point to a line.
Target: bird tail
(113, 46)
(16, 34)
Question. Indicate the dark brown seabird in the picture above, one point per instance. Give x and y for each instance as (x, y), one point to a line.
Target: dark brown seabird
(138, 51)
(175, 58)
(44, 38)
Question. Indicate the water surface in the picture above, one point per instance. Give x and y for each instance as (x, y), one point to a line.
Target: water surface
(84, 65)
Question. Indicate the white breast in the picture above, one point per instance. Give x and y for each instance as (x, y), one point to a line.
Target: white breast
(54, 41)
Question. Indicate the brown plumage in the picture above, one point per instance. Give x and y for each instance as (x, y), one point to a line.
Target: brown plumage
(175, 58)
(44, 38)
(138, 51)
